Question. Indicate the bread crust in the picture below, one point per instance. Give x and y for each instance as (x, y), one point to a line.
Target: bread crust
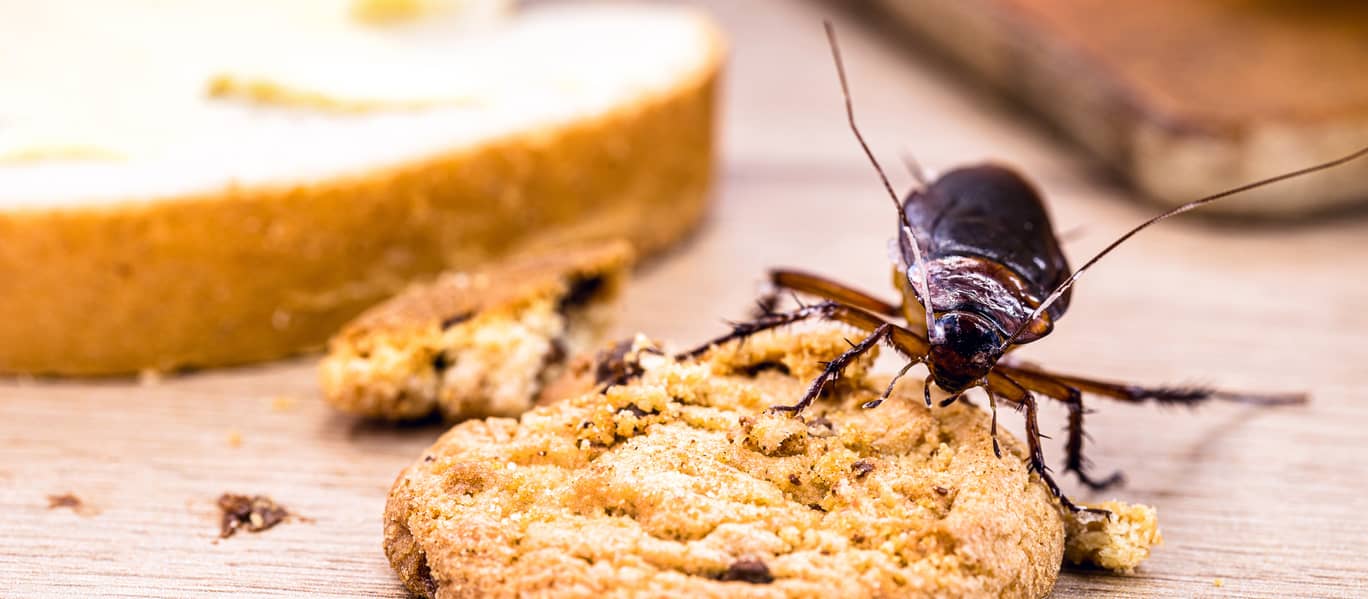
(255, 273)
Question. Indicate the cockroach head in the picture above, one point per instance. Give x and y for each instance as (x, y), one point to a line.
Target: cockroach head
(964, 347)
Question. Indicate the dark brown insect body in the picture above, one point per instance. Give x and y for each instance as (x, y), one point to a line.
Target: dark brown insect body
(980, 271)
(990, 258)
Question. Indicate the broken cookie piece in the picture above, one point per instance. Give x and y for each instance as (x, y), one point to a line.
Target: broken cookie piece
(482, 343)
(254, 514)
(1118, 542)
(678, 483)
(72, 502)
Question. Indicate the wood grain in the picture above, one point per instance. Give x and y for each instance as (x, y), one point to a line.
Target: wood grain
(1273, 502)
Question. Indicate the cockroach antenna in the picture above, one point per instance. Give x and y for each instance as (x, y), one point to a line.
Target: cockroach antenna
(993, 218)
(1054, 295)
(923, 286)
(915, 169)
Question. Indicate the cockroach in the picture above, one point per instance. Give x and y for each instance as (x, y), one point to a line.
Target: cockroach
(980, 272)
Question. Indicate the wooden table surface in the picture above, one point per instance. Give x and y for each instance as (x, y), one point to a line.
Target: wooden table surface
(1271, 502)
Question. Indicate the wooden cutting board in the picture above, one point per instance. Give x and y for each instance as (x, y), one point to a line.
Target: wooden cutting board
(1183, 98)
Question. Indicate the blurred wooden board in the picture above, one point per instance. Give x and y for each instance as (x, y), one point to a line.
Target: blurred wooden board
(1275, 503)
(1184, 98)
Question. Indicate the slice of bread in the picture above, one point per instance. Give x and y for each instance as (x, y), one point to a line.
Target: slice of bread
(209, 182)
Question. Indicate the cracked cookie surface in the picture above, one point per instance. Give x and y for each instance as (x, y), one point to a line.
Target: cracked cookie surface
(678, 484)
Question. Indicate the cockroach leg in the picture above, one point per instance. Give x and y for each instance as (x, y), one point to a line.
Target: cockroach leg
(992, 431)
(1017, 393)
(742, 330)
(822, 287)
(1073, 448)
(1161, 395)
(889, 391)
(911, 345)
(835, 367)
(1056, 388)
(926, 388)
(1037, 461)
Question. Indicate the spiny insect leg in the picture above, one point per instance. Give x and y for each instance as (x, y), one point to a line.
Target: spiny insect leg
(907, 342)
(1072, 398)
(1073, 448)
(1014, 392)
(827, 289)
(835, 367)
(773, 320)
(1162, 395)
(992, 403)
(889, 390)
(780, 279)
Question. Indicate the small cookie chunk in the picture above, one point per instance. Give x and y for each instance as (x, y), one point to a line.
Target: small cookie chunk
(678, 483)
(255, 513)
(473, 344)
(1119, 542)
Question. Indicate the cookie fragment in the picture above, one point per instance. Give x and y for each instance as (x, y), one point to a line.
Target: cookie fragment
(72, 502)
(254, 514)
(1117, 543)
(677, 483)
(482, 343)
(748, 569)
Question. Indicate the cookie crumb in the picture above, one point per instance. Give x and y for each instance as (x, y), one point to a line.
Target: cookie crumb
(282, 403)
(1219, 582)
(862, 467)
(255, 514)
(234, 439)
(748, 569)
(70, 500)
(1118, 542)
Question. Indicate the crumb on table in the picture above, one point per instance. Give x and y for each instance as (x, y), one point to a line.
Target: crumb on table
(282, 403)
(255, 513)
(70, 500)
(1117, 543)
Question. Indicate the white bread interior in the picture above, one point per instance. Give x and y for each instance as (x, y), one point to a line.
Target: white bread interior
(160, 209)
